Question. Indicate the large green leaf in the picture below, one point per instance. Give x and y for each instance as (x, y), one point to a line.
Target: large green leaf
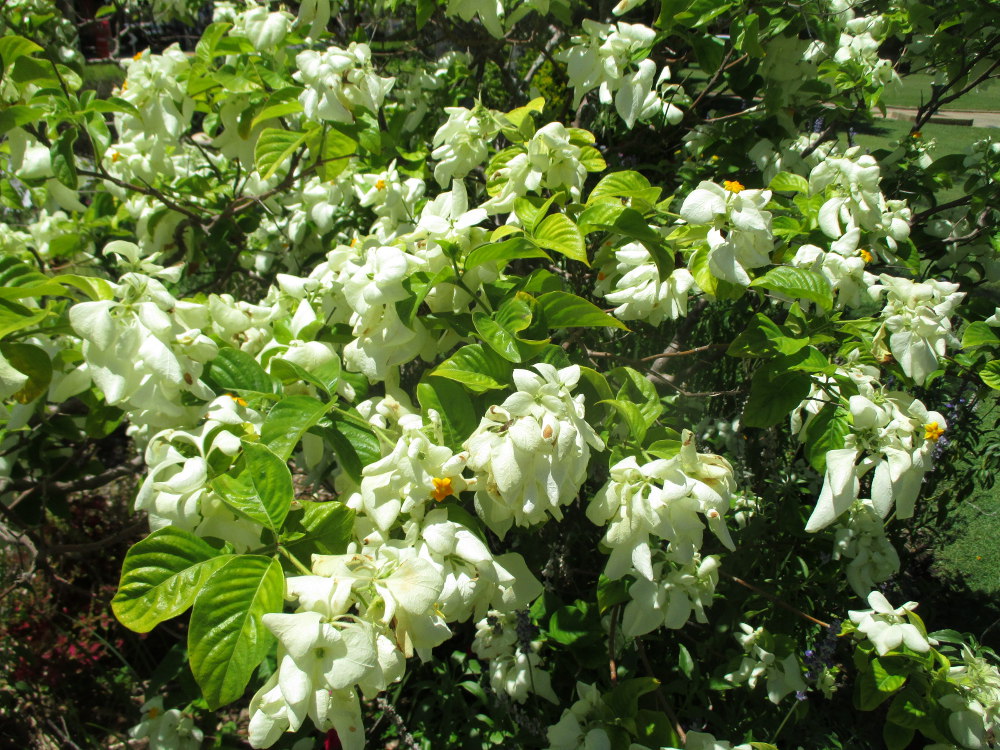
(991, 374)
(226, 639)
(235, 370)
(319, 529)
(476, 368)
(797, 283)
(274, 148)
(161, 577)
(288, 421)
(772, 400)
(825, 432)
(559, 233)
(787, 182)
(324, 376)
(979, 334)
(263, 490)
(353, 442)
(451, 401)
(15, 317)
(512, 249)
(565, 310)
(32, 361)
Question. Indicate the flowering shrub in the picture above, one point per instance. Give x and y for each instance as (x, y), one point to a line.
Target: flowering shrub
(352, 312)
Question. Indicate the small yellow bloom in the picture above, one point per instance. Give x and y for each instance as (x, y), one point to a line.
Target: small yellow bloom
(733, 186)
(714, 158)
(115, 156)
(932, 431)
(442, 488)
(380, 185)
(124, 85)
(237, 399)
(916, 134)
(153, 712)
(866, 256)
(137, 56)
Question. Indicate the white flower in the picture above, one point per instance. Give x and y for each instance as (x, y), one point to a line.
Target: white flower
(672, 596)
(166, 729)
(531, 452)
(739, 230)
(513, 670)
(631, 281)
(887, 628)
(461, 144)
(339, 82)
(916, 315)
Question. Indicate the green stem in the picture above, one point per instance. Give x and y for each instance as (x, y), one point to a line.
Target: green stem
(295, 561)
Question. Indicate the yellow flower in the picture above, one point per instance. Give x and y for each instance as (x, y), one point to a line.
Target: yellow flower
(237, 399)
(866, 256)
(932, 431)
(733, 186)
(137, 56)
(380, 185)
(442, 488)
(115, 156)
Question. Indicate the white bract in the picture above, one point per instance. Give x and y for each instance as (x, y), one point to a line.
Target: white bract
(340, 83)
(738, 229)
(631, 281)
(917, 319)
(888, 628)
(530, 454)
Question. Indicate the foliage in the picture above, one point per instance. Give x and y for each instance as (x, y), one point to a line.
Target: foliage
(443, 333)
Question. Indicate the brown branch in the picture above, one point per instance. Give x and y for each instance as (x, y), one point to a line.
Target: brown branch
(776, 600)
(119, 536)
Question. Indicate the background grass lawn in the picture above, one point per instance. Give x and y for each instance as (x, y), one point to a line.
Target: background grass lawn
(916, 90)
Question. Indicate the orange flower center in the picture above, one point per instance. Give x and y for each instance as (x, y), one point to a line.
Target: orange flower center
(239, 400)
(866, 256)
(932, 431)
(733, 186)
(442, 488)
(380, 185)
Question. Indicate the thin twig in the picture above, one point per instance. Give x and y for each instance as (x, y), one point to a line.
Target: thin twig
(776, 600)
(660, 697)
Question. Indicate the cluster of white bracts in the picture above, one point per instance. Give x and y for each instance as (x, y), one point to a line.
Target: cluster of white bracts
(630, 280)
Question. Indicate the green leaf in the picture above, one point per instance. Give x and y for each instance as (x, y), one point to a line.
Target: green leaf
(277, 109)
(512, 249)
(592, 160)
(764, 338)
(17, 115)
(565, 310)
(425, 9)
(979, 334)
(15, 317)
(797, 283)
(684, 661)
(337, 149)
(263, 489)
(772, 400)
(633, 418)
(574, 622)
(990, 374)
(210, 37)
(825, 432)
(419, 285)
(227, 639)
(451, 401)
(499, 339)
(235, 370)
(558, 232)
(890, 674)
(95, 288)
(623, 700)
(274, 148)
(63, 158)
(325, 376)
(476, 368)
(32, 361)
(288, 421)
(626, 184)
(13, 47)
(319, 529)
(788, 182)
(353, 442)
(531, 209)
(162, 575)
